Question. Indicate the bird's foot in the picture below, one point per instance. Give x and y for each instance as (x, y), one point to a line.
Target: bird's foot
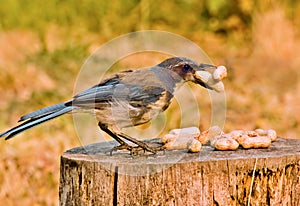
(121, 147)
(140, 149)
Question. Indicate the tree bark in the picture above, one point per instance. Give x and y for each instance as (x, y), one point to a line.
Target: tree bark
(90, 176)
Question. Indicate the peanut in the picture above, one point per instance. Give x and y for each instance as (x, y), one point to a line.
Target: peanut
(219, 87)
(205, 77)
(255, 142)
(237, 134)
(180, 142)
(209, 134)
(220, 73)
(194, 146)
(179, 138)
(269, 133)
(213, 80)
(272, 134)
(225, 143)
(168, 138)
(194, 131)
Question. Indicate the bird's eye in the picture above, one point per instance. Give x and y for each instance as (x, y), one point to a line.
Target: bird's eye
(186, 68)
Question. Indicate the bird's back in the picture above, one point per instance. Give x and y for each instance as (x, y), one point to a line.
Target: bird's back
(128, 98)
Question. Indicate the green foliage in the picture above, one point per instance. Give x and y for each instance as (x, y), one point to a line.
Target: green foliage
(116, 16)
(37, 15)
(111, 18)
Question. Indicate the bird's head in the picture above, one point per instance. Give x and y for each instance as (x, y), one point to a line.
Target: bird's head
(187, 69)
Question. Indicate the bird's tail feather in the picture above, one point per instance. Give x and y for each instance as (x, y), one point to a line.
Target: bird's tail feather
(36, 118)
(43, 111)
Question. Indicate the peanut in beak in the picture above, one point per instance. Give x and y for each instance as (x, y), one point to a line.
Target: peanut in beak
(214, 79)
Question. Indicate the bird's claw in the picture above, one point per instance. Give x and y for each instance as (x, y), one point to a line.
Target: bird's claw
(138, 149)
(121, 147)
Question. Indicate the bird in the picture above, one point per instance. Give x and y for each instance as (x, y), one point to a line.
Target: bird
(124, 99)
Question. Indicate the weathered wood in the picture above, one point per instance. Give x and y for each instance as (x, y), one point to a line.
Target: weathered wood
(90, 176)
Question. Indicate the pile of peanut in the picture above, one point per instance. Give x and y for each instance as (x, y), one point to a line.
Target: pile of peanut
(191, 139)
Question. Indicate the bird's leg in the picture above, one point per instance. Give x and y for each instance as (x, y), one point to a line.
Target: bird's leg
(123, 145)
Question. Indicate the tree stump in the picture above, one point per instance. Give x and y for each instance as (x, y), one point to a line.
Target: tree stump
(90, 176)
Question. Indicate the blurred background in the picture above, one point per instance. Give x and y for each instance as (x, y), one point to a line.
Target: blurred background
(44, 43)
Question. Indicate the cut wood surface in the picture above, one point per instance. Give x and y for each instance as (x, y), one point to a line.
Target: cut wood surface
(90, 176)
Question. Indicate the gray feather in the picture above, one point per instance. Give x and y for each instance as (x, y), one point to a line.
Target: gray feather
(35, 121)
(43, 111)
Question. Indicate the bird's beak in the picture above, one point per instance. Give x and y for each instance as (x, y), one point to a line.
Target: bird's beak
(205, 75)
(206, 67)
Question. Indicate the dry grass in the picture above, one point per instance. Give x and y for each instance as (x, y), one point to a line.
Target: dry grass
(262, 90)
(268, 80)
(29, 166)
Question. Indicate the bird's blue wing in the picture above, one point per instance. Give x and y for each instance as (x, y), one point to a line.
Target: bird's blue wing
(136, 89)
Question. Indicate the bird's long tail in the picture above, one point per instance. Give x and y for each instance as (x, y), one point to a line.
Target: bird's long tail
(37, 117)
